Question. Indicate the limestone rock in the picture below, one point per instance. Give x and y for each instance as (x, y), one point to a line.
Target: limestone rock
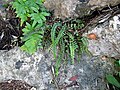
(77, 8)
(18, 65)
(108, 42)
(35, 70)
(102, 3)
(62, 8)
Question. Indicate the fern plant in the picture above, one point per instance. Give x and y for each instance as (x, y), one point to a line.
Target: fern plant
(65, 37)
(33, 14)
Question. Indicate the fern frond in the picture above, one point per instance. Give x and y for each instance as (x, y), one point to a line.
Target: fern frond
(53, 31)
(55, 40)
(72, 47)
(60, 57)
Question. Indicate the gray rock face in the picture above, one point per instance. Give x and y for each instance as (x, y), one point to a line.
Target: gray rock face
(102, 3)
(108, 42)
(77, 8)
(35, 70)
(90, 73)
(16, 65)
(62, 8)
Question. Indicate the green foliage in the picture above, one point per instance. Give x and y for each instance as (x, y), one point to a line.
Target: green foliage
(28, 8)
(84, 45)
(117, 63)
(111, 79)
(32, 37)
(63, 35)
(72, 47)
(34, 14)
(67, 42)
(55, 40)
(60, 56)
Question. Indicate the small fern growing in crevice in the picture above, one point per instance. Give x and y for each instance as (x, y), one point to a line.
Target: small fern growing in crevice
(62, 36)
(33, 15)
(66, 41)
